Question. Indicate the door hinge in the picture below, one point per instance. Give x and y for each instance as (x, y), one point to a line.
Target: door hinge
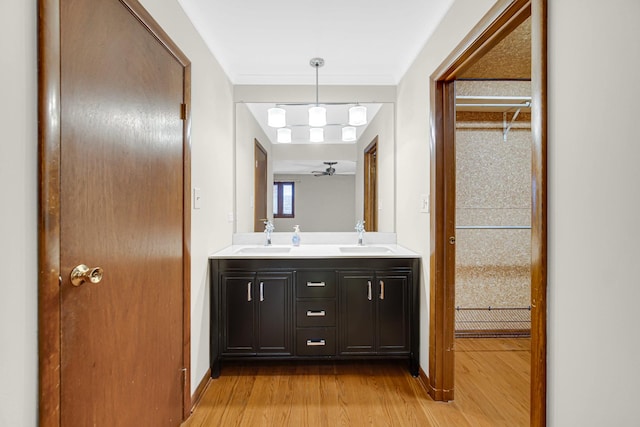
(183, 111)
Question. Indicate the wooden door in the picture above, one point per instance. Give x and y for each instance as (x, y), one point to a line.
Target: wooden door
(123, 173)
(260, 187)
(371, 186)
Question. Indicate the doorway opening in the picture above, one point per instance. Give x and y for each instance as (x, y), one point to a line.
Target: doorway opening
(497, 24)
(493, 191)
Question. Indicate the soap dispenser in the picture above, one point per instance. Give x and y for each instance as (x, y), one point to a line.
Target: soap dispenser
(295, 240)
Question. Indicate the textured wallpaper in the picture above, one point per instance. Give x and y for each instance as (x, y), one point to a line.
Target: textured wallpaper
(493, 189)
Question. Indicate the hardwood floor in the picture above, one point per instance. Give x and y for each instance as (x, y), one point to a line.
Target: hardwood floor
(492, 389)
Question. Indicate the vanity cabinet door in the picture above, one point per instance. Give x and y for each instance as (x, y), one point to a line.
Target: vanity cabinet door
(238, 313)
(393, 319)
(256, 314)
(357, 313)
(374, 313)
(274, 315)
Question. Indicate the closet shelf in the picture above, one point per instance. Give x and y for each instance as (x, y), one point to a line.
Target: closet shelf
(499, 104)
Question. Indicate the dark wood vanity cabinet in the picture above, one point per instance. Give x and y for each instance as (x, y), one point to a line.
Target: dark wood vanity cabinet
(256, 313)
(375, 312)
(334, 308)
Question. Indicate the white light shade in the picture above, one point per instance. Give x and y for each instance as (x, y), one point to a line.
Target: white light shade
(316, 134)
(348, 134)
(284, 135)
(317, 116)
(276, 117)
(358, 115)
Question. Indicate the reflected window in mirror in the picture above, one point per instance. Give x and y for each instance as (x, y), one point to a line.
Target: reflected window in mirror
(283, 200)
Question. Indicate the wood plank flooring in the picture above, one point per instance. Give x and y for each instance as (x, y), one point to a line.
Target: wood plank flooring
(492, 389)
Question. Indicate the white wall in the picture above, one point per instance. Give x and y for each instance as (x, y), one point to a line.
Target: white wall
(211, 139)
(593, 199)
(18, 237)
(322, 203)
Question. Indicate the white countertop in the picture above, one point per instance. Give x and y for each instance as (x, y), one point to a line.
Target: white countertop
(315, 251)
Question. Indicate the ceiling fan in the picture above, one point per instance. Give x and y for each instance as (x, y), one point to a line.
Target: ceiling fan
(329, 171)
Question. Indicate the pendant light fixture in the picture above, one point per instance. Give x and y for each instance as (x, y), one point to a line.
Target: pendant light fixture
(358, 115)
(284, 135)
(276, 117)
(316, 134)
(317, 114)
(348, 134)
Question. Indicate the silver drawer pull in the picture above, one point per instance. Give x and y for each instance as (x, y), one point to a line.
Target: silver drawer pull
(320, 313)
(311, 343)
(316, 284)
(249, 291)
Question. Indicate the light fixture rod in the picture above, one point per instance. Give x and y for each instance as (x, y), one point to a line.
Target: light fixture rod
(316, 63)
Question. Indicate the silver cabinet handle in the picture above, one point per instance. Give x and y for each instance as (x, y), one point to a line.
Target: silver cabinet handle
(249, 291)
(369, 290)
(381, 289)
(316, 284)
(311, 343)
(261, 291)
(320, 313)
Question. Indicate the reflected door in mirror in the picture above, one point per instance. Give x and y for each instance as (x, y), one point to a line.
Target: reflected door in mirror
(260, 188)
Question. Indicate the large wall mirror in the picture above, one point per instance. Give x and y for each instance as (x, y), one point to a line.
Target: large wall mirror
(320, 186)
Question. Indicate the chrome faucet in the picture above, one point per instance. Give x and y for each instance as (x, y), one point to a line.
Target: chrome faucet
(360, 230)
(268, 228)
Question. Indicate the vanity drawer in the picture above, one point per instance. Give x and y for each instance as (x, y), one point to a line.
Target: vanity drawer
(316, 284)
(316, 342)
(315, 313)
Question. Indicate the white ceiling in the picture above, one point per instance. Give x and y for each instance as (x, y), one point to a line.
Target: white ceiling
(363, 42)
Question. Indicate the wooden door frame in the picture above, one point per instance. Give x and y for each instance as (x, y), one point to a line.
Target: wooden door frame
(501, 20)
(371, 211)
(49, 143)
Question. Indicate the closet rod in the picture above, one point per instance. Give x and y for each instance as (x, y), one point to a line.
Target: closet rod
(523, 105)
(458, 308)
(493, 227)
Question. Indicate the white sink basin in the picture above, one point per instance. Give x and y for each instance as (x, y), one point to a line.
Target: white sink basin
(365, 250)
(264, 250)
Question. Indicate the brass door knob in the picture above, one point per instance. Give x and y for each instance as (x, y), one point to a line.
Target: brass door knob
(82, 273)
